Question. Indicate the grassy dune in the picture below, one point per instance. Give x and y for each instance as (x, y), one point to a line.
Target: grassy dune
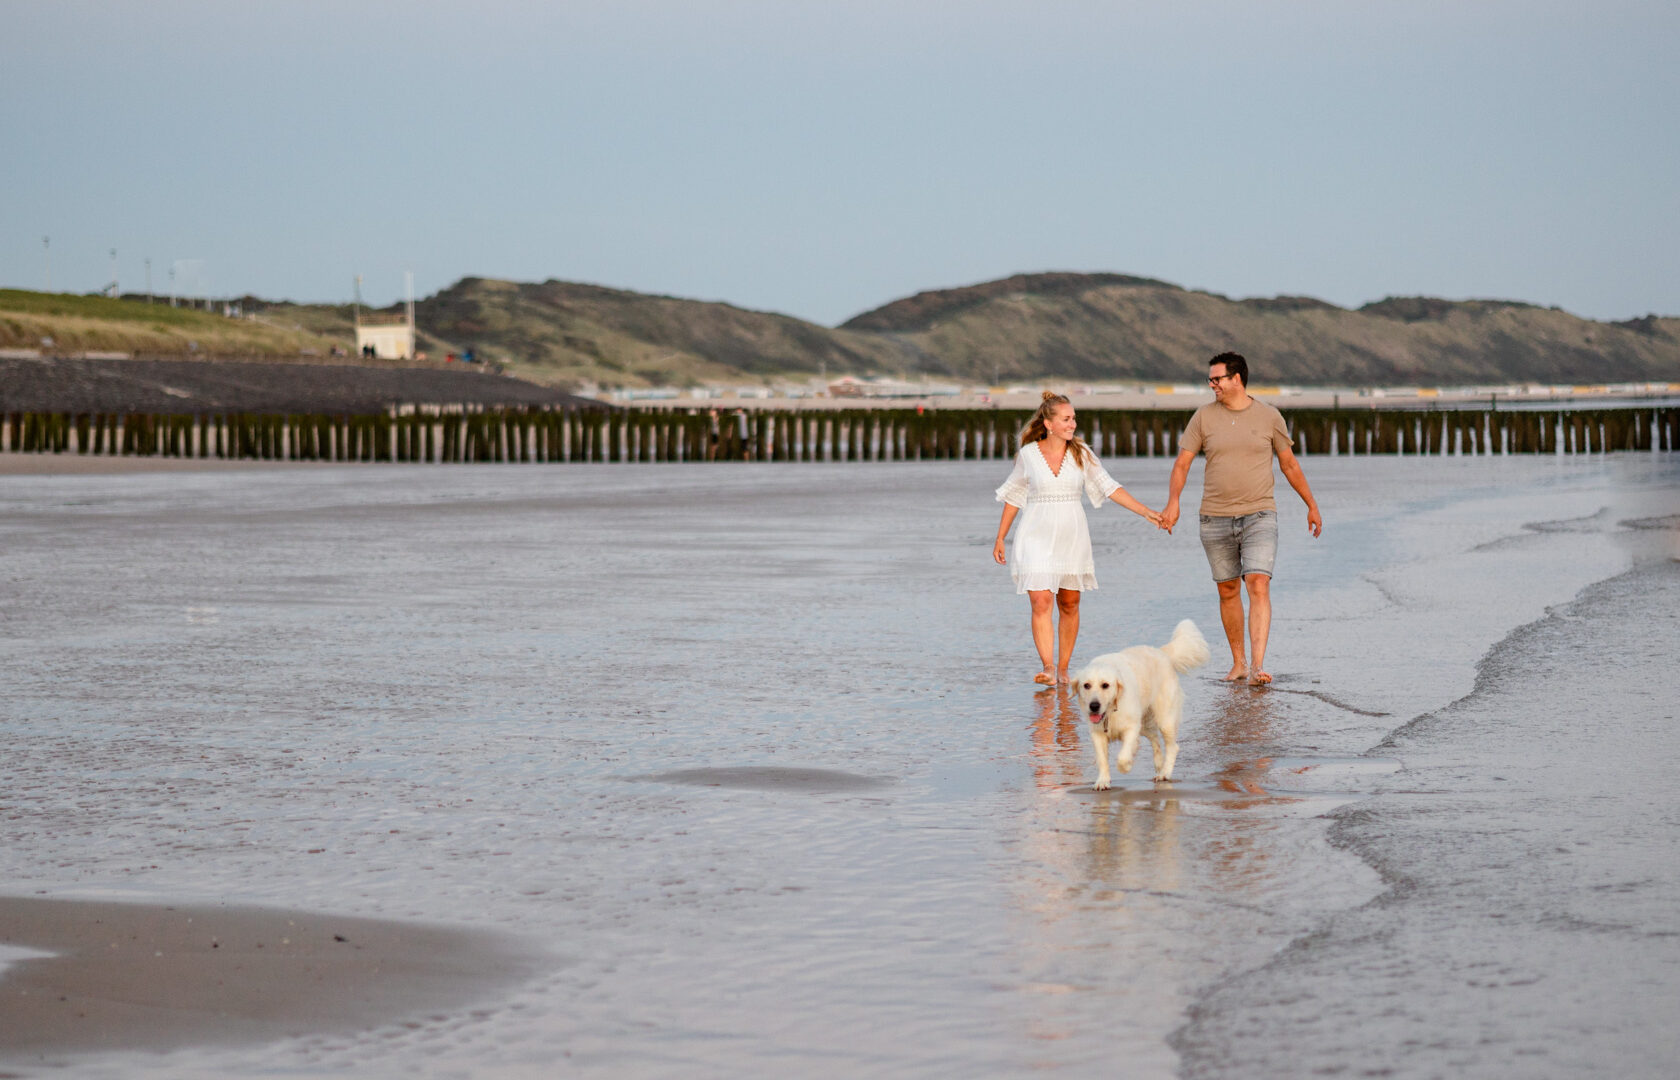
(1031, 326)
(564, 332)
(1143, 329)
(1089, 326)
(97, 323)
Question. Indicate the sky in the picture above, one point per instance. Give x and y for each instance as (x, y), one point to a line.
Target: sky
(822, 158)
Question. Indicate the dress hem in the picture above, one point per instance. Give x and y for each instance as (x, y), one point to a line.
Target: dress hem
(1041, 582)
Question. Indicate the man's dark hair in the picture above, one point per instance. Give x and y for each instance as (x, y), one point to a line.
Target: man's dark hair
(1234, 365)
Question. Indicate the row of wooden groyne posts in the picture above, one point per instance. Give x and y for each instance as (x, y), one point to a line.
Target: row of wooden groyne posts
(592, 435)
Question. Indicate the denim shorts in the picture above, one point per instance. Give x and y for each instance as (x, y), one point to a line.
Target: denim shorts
(1239, 546)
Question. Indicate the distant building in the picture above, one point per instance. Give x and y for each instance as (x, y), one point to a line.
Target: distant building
(386, 337)
(849, 387)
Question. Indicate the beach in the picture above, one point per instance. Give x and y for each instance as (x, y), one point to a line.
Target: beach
(730, 769)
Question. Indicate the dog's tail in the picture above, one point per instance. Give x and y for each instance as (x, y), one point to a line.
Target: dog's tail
(1188, 648)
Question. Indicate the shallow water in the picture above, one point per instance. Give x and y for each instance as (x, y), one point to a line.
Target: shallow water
(750, 752)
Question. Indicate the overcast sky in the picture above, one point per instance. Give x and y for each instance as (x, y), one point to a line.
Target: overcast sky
(820, 159)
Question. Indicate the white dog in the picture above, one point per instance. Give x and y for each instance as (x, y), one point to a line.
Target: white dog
(1134, 692)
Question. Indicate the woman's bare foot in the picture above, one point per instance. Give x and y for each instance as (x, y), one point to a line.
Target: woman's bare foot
(1062, 679)
(1259, 678)
(1238, 673)
(1045, 678)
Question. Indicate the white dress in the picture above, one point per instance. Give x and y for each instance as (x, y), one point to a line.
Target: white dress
(1052, 547)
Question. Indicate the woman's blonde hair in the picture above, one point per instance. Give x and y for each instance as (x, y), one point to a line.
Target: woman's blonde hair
(1035, 429)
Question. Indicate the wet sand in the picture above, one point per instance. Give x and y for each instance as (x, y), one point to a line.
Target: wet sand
(1527, 925)
(754, 751)
(128, 976)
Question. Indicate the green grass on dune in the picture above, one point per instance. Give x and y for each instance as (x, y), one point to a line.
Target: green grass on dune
(22, 301)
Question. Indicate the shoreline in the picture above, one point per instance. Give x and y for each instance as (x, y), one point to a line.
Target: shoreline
(1556, 924)
(131, 976)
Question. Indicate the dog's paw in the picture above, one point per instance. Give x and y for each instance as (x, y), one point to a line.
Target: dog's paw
(1161, 777)
(1124, 764)
(1101, 785)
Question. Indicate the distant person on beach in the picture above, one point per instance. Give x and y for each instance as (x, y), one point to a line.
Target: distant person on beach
(1052, 560)
(1240, 435)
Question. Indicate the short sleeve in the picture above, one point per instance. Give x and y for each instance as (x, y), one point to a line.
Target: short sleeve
(1098, 484)
(1193, 435)
(1280, 434)
(1014, 489)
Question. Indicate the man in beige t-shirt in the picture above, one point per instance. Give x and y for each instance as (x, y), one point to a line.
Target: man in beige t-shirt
(1238, 517)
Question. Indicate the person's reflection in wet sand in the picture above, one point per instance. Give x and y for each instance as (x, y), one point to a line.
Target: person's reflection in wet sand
(1057, 740)
(1240, 731)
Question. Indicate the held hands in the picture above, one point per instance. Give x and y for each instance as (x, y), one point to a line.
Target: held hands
(1168, 517)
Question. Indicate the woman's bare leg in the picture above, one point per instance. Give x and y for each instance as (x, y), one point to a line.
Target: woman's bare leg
(1044, 635)
(1068, 629)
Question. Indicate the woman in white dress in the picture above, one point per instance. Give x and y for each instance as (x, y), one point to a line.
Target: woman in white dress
(1052, 561)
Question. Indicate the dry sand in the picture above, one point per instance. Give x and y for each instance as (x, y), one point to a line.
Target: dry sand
(106, 465)
(137, 976)
(63, 384)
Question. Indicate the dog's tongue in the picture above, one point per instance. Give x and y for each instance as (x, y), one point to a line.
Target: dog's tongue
(1096, 717)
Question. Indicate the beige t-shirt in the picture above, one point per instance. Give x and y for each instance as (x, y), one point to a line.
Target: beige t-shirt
(1239, 445)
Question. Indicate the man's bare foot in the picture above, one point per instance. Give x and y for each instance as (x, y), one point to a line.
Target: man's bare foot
(1062, 679)
(1045, 678)
(1237, 673)
(1259, 678)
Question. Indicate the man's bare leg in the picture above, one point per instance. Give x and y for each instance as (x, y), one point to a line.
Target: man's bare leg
(1259, 624)
(1043, 634)
(1067, 600)
(1231, 616)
